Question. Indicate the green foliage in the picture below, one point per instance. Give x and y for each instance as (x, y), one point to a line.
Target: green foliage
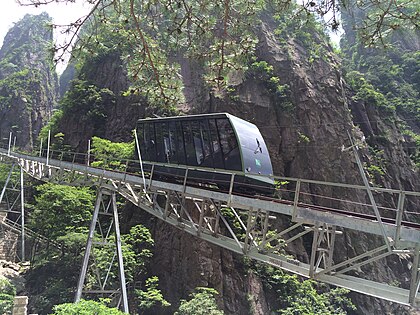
(85, 100)
(137, 252)
(415, 152)
(4, 173)
(388, 79)
(265, 72)
(303, 138)
(376, 167)
(60, 209)
(297, 297)
(379, 24)
(110, 154)
(220, 37)
(294, 23)
(151, 298)
(52, 126)
(202, 302)
(62, 213)
(88, 98)
(85, 307)
(7, 296)
(53, 281)
(366, 92)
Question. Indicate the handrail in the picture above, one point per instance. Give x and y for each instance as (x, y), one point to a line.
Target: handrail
(17, 228)
(293, 194)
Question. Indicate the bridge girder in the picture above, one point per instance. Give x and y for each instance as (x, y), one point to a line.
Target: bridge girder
(245, 225)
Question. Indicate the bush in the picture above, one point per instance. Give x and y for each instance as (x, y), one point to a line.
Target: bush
(7, 296)
(85, 308)
(202, 302)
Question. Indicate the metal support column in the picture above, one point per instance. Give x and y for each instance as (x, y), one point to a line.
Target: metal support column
(415, 276)
(105, 203)
(3, 191)
(389, 242)
(22, 215)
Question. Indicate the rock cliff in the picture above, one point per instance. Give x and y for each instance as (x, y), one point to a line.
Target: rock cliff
(28, 82)
(295, 92)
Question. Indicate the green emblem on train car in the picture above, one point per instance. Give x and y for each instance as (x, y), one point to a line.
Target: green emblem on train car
(257, 162)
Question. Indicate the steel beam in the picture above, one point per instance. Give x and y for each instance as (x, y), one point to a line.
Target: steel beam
(198, 211)
(106, 208)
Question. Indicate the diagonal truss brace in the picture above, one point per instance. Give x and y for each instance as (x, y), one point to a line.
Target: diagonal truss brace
(208, 215)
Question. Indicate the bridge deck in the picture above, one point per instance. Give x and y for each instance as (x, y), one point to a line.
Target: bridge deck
(199, 211)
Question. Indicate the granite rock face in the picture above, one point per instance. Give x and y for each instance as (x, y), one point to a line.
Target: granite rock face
(28, 82)
(304, 126)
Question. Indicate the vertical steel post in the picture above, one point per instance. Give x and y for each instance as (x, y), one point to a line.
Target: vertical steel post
(331, 245)
(88, 154)
(7, 182)
(314, 250)
(140, 159)
(10, 143)
(399, 217)
(48, 146)
(82, 276)
(119, 254)
(415, 276)
(40, 149)
(22, 208)
(296, 200)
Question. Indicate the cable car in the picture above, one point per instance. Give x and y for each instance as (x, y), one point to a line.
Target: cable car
(212, 146)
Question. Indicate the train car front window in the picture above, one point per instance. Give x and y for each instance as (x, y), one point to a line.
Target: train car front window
(229, 145)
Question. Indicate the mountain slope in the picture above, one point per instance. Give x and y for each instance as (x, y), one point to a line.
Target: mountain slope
(28, 82)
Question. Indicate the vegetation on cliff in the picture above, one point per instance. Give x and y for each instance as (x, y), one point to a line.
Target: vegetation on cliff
(28, 83)
(386, 79)
(150, 43)
(7, 295)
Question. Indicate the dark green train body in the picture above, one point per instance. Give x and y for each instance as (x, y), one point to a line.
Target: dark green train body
(212, 146)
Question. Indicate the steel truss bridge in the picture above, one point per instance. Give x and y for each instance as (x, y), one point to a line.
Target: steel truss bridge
(249, 225)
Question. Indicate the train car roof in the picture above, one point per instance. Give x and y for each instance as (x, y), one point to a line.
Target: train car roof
(193, 117)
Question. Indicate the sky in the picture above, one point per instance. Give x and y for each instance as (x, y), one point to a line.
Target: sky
(61, 13)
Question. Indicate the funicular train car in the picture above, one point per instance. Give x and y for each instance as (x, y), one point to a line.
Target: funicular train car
(212, 146)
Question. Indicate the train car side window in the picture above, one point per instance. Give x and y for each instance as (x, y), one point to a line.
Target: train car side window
(198, 145)
(205, 138)
(172, 143)
(166, 143)
(151, 141)
(160, 147)
(141, 136)
(180, 143)
(216, 148)
(189, 144)
(229, 145)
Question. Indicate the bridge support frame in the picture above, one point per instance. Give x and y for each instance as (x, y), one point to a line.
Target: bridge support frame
(415, 276)
(12, 195)
(106, 205)
(248, 226)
